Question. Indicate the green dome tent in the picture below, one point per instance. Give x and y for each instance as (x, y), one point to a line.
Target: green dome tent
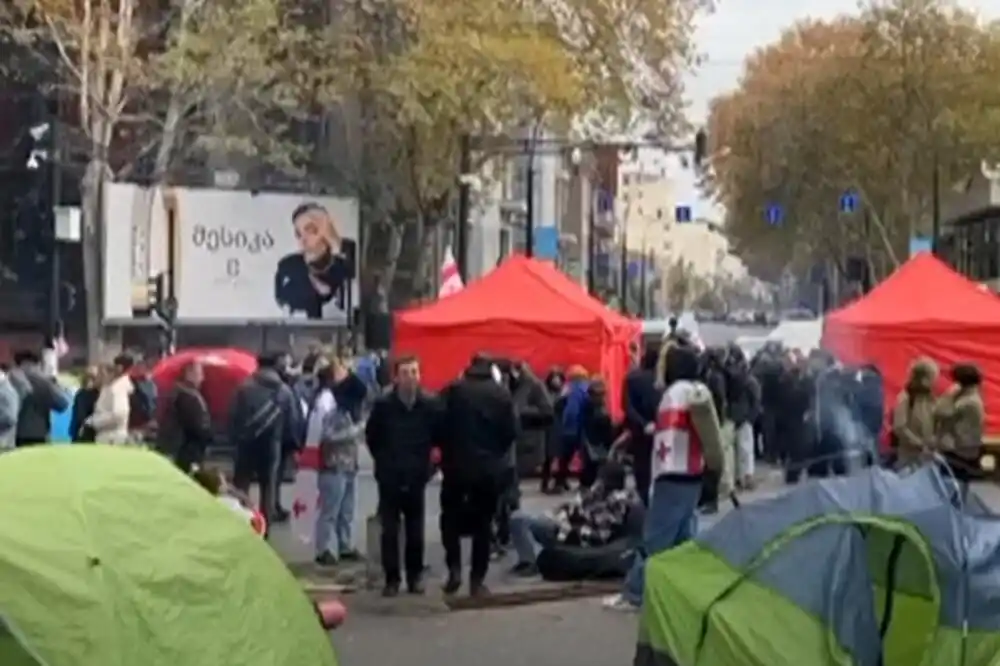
(110, 556)
(869, 570)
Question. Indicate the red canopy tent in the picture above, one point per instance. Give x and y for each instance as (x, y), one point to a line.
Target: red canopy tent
(923, 309)
(526, 310)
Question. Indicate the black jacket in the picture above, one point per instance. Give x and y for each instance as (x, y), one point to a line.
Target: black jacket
(40, 396)
(599, 431)
(479, 427)
(83, 408)
(400, 438)
(186, 424)
(641, 400)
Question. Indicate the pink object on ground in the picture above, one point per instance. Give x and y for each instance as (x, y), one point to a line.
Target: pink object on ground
(332, 613)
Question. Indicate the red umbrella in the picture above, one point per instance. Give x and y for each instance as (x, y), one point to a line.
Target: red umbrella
(225, 369)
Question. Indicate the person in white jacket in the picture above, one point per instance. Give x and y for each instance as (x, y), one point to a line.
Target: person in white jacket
(111, 412)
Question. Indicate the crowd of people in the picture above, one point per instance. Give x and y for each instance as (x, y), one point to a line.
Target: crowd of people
(695, 422)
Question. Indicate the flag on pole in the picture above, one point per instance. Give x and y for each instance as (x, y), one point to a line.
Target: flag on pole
(451, 281)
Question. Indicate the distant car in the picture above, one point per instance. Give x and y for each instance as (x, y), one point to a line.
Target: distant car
(798, 314)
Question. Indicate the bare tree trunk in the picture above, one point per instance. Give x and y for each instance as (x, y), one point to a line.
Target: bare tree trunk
(91, 248)
(388, 273)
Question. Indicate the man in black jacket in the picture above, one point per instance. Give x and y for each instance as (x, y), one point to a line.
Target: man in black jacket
(641, 401)
(479, 428)
(401, 430)
(265, 420)
(186, 431)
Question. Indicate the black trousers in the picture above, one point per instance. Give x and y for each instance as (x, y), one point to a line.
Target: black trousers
(642, 465)
(402, 506)
(467, 508)
(259, 463)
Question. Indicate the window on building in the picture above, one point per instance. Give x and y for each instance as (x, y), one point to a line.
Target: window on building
(505, 243)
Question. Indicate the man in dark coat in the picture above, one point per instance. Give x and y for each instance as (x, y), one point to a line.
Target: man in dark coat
(402, 428)
(265, 420)
(479, 429)
(640, 402)
(186, 429)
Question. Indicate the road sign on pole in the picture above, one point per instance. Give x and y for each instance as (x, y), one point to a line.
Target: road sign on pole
(682, 214)
(774, 214)
(849, 201)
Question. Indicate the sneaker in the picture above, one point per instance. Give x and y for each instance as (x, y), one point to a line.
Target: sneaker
(350, 556)
(390, 590)
(617, 602)
(326, 559)
(524, 570)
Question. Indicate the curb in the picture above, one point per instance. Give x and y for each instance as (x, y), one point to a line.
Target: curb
(538, 594)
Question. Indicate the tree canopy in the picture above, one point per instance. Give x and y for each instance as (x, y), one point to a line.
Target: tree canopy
(872, 103)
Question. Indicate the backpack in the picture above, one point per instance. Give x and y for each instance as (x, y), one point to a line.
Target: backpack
(142, 402)
(263, 410)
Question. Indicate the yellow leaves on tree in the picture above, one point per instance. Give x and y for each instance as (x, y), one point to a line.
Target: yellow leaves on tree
(441, 68)
(870, 103)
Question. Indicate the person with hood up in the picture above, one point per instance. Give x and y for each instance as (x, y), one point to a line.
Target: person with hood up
(742, 405)
(40, 395)
(960, 417)
(571, 434)
(10, 405)
(686, 447)
(265, 421)
(640, 400)
(479, 428)
(912, 436)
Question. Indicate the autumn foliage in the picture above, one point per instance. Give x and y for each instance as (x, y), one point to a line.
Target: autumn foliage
(873, 103)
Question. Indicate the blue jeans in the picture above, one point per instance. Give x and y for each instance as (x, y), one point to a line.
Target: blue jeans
(670, 521)
(529, 534)
(335, 518)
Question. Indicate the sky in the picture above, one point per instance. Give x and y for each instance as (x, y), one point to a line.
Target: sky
(735, 30)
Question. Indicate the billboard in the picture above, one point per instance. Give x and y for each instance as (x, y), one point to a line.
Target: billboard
(237, 256)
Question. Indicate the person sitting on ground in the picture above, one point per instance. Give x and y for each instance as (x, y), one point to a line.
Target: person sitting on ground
(596, 517)
(213, 481)
(913, 438)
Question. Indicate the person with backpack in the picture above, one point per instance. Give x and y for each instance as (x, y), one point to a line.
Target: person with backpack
(333, 430)
(265, 420)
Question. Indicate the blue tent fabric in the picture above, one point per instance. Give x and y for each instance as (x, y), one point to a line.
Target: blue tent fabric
(964, 544)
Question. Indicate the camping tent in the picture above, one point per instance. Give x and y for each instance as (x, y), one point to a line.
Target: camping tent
(525, 309)
(869, 570)
(923, 309)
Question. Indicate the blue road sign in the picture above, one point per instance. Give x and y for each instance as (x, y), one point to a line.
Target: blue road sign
(775, 215)
(849, 201)
(682, 213)
(547, 243)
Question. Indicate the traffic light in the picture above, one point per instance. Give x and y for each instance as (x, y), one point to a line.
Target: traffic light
(700, 148)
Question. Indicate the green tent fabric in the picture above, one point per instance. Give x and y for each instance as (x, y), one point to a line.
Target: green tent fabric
(110, 556)
(872, 570)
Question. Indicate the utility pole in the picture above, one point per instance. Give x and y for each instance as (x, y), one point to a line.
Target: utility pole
(462, 230)
(529, 200)
(591, 240)
(55, 276)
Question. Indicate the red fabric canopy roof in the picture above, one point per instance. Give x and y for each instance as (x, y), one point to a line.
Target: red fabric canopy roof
(525, 310)
(923, 309)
